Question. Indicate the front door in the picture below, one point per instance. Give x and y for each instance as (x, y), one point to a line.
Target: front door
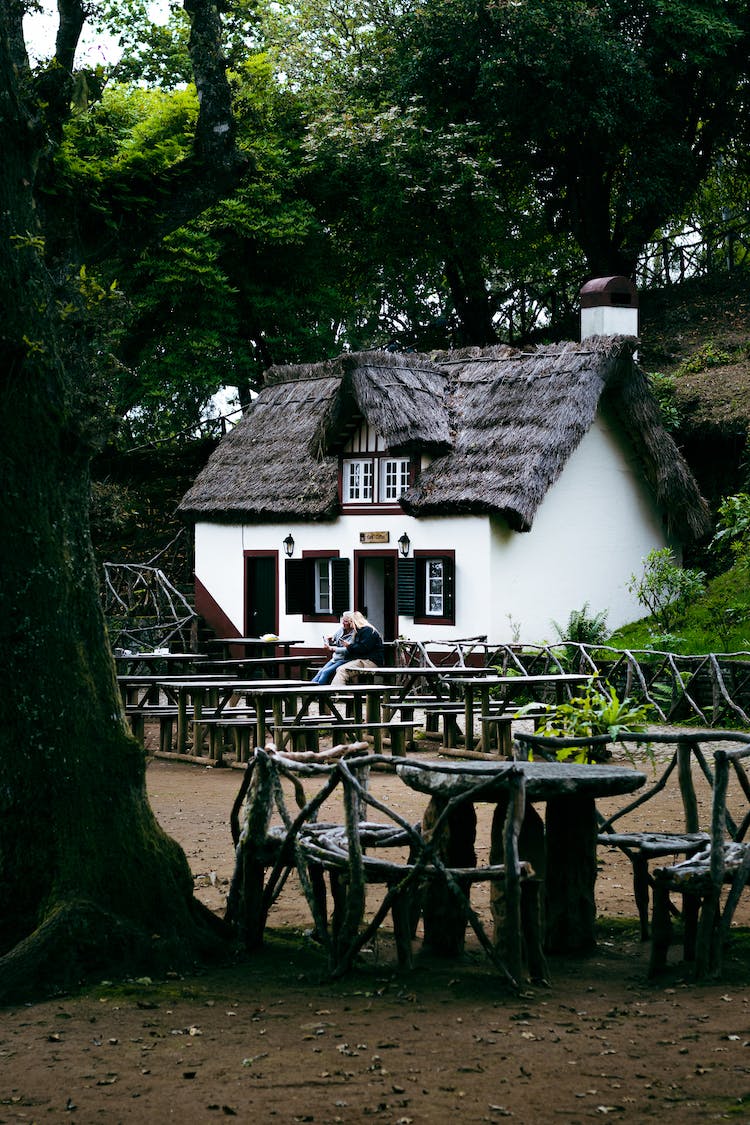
(261, 608)
(376, 591)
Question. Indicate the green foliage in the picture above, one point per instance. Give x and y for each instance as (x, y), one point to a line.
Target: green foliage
(596, 711)
(664, 588)
(584, 627)
(664, 389)
(733, 523)
(707, 356)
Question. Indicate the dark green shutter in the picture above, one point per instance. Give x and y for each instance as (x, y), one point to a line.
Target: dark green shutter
(300, 591)
(406, 586)
(340, 576)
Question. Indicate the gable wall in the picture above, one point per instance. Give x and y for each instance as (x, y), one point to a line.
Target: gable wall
(592, 531)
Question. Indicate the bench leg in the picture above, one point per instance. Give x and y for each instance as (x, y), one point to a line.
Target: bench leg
(640, 891)
(166, 730)
(661, 928)
(398, 743)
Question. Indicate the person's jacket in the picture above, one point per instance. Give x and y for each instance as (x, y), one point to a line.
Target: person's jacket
(367, 645)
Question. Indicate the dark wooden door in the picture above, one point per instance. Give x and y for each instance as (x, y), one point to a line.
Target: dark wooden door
(261, 605)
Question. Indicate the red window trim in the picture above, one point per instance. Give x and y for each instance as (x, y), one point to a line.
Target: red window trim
(422, 618)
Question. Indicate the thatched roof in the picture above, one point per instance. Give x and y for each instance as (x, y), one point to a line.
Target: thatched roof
(518, 417)
(280, 461)
(500, 424)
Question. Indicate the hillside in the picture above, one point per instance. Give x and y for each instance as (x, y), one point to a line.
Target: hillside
(699, 332)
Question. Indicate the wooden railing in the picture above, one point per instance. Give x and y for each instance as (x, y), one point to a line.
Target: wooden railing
(712, 688)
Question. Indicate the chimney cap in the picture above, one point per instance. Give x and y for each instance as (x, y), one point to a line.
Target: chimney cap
(617, 290)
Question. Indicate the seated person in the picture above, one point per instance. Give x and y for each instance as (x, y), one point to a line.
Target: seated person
(335, 646)
(365, 650)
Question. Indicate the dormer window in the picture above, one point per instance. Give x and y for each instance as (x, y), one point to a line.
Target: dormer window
(374, 480)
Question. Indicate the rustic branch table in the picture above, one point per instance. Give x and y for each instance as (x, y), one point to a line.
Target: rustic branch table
(562, 850)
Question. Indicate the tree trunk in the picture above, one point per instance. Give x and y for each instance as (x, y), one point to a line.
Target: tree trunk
(89, 883)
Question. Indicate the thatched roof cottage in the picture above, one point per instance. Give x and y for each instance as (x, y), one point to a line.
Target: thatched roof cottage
(474, 492)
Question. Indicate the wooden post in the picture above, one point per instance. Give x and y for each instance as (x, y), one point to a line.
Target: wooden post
(571, 874)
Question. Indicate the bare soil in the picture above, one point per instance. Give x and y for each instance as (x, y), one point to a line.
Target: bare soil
(271, 1039)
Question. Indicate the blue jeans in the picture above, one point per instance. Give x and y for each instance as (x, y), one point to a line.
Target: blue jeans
(325, 674)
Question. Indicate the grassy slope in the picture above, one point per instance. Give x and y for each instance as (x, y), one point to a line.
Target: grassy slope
(699, 333)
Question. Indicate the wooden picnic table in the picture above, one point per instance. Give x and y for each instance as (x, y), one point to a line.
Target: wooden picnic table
(472, 685)
(254, 646)
(142, 689)
(562, 848)
(130, 663)
(267, 666)
(497, 689)
(284, 699)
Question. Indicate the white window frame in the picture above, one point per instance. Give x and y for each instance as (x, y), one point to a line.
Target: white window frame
(434, 588)
(374, 480)
(323, 586)
(394, 479)
(359, 491)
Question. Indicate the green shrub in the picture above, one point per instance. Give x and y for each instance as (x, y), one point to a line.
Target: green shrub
(666, 589)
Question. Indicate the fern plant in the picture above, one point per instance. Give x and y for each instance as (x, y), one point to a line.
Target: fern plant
(596, 710)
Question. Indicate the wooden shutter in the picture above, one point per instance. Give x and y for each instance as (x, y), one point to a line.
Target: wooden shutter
(300, 590)
(449, 570)
(406, 586)
(341, 600)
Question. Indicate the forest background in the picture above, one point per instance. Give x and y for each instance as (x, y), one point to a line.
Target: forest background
(275, 182)
(419, 177)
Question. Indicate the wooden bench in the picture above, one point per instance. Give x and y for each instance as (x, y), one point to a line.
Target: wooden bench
(242, 726)
(314, 726)
(701, 878)
(165, 715)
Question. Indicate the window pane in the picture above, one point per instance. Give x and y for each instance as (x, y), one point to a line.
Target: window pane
(435, 588)
(358, 481)
(322, 585)
(394, 479)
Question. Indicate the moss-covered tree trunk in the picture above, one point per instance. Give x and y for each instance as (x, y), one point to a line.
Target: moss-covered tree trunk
(88, 881)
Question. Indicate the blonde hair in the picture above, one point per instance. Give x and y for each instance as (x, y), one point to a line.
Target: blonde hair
(358, 619)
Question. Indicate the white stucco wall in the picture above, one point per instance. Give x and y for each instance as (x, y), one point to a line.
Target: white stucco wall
(220, 568)
(592, 531)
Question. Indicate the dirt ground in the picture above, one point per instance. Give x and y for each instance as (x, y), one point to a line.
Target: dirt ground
(270, 1039)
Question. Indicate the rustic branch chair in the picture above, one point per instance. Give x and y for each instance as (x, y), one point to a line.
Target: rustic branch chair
(341, 851)
(701, 878)
(643, 847)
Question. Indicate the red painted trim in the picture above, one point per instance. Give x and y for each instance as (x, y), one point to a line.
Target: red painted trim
(212, 613)
(371, 510)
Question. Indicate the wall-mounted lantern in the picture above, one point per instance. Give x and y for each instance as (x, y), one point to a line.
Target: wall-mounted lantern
(404, 544)
(289, 545)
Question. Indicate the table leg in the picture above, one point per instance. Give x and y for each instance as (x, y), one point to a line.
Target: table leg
(260, 718)
(531, 848)
(469, 717)
(571, 874)
(444, 918)
(181, 746)
(485, 735)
